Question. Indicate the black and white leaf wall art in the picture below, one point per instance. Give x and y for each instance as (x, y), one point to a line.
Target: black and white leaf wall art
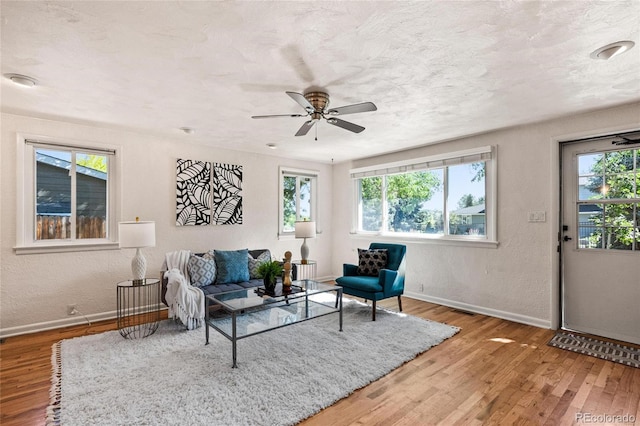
(227, 194)
(193, 193)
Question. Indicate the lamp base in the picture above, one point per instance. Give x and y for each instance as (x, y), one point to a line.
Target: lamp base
(138, 268)
(304, 252)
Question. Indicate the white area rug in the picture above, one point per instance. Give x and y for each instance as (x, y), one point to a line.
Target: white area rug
(284, 375)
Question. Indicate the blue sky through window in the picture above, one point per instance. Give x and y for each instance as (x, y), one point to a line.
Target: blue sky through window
(460, 184)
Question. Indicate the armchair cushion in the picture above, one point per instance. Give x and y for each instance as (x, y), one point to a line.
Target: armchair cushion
(361, 282)
(370, 262)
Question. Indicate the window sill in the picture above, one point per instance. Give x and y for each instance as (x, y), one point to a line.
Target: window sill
(442, 240)
(64, 248)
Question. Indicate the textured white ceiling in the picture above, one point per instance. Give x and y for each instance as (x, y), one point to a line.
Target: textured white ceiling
(435, 69)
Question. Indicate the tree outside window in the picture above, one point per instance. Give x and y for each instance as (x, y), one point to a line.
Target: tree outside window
(415, 201)
(609, 200)
(297, 199)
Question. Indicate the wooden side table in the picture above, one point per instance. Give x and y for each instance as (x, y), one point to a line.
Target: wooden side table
(139, 308)
(306, 271)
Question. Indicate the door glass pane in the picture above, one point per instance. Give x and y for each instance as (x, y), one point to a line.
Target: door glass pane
(370, 190)
(619, 174)
(590, 177)
(53, 195)
(590, 225)
(620, 230)
(91, 196)
(618, 162)
(637, 227)
(466, 199)
(586, 191)
(586, 162)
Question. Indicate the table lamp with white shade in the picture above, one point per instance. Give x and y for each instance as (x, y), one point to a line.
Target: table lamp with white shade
(137, 235)
(305, 229)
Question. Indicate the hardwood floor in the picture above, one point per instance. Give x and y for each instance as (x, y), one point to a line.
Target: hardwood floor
(492, 372)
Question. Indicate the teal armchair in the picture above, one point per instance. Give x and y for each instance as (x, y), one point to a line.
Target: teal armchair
(388, 283)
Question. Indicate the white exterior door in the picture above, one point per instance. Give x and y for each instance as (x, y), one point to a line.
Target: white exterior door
(601, 239)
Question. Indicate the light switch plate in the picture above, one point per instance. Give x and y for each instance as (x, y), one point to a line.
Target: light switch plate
(537, 216)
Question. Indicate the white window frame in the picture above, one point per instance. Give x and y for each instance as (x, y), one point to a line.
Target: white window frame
(294, 172)
(486, 154)
(25, 196)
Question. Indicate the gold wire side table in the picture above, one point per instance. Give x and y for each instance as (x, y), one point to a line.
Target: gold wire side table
(139, 307)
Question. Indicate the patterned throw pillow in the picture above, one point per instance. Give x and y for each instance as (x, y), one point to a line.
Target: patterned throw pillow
(255, 263)
(202, 270)
(232, 266)
(371, 261)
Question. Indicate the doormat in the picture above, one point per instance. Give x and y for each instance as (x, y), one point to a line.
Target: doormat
(622, 354)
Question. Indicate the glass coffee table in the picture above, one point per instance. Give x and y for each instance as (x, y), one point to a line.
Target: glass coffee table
(243, 313)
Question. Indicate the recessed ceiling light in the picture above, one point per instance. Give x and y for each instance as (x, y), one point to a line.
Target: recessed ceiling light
(272, 146)
(611, 50)
(22, 80)
(188, 130)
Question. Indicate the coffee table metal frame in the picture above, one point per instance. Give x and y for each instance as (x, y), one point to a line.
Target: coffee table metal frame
(224, 309)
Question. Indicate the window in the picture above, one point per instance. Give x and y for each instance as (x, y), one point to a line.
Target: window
(66, 196)
(450, 196)
(297, 198)
(609, 200)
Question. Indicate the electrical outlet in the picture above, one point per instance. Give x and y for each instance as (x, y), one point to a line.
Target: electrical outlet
(72, 310)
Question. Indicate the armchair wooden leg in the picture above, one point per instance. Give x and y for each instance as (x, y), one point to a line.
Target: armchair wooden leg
(399, 303)
(374, 310)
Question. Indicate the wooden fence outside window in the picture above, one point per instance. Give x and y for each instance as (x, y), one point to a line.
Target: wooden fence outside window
(59, 227)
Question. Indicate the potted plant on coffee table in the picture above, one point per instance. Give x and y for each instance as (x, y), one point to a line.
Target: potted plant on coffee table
(270, 271)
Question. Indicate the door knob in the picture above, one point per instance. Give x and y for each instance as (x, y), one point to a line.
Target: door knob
(566, 238)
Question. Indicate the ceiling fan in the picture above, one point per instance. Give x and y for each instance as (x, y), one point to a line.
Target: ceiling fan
(316, 104)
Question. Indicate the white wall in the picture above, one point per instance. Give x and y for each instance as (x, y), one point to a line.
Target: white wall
(517, 280)
(35, 289)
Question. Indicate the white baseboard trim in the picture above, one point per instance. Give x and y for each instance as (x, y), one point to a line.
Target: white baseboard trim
(52, 325)
(523, 319)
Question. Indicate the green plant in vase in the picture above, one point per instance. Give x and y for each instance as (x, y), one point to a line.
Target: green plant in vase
(269, 272)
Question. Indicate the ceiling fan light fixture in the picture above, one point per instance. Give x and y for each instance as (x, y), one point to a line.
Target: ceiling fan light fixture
(22, 80)
(613, 49)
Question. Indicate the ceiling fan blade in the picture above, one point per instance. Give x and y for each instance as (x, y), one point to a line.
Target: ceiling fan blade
(279, 115)
(299, 98)
(305, 128)
(352, 109)
(345, 125)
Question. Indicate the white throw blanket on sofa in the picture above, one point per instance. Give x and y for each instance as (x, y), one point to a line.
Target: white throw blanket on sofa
(185, 301)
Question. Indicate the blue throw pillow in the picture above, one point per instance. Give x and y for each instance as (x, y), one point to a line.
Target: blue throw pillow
(232, 266)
